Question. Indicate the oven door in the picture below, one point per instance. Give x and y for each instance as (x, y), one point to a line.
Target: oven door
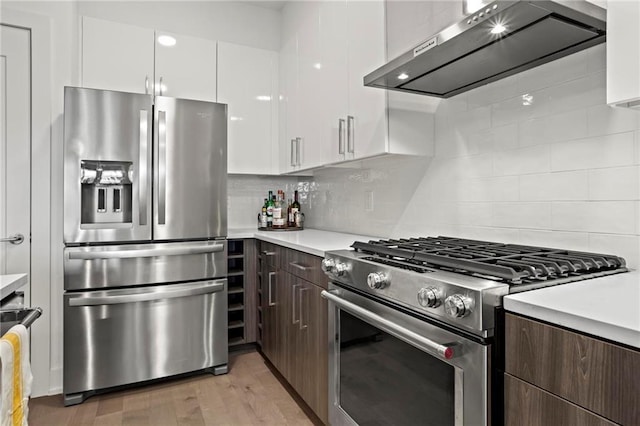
(387, 367)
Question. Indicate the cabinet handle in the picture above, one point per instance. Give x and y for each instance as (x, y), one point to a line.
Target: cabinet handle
(350, 134)
(298, 143)
(293, 305)
(146, 84)
(162, 166)
(299, 266)
(302, 325)
(293, 155)
(268, 253)
(160, 91)
(269, 301)
(341, 136)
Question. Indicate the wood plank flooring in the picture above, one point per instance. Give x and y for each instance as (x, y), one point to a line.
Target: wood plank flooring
(249, 394)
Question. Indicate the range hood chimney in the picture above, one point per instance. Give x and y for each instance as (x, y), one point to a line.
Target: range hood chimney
(500, 39)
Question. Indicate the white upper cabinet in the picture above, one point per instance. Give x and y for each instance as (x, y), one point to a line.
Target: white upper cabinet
(185, 67)
(366, 127)
(623, 53)
(127, 58)
(248, 83)
(116, 56)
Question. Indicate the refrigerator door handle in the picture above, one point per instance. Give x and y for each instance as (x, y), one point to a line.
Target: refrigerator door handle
(120, 298)
(155, 252)
(162, 167)
(143, 172)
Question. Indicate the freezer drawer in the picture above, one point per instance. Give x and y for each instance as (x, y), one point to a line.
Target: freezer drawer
(125, 336)
(99, 267)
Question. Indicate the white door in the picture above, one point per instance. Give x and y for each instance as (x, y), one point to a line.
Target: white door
(15, 143)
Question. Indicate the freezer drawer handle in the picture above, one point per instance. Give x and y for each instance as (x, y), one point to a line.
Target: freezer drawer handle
(209, 287)
(130, 254)
(447, 351)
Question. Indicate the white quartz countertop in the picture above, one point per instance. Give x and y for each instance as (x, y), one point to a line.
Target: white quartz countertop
(312, 241)
(11, 283)
(607, 307)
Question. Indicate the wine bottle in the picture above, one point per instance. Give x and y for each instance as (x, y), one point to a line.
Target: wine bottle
(291, 220)
(279, 221)
(295, 208)
(270, 206)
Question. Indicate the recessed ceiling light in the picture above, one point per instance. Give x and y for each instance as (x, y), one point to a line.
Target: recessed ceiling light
(403, 76)
(166, 40)
(263, 98)
(498, 29)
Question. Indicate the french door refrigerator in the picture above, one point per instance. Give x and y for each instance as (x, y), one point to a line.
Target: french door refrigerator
(145, 225)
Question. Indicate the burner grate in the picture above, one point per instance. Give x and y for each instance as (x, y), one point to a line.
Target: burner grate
(512, 263)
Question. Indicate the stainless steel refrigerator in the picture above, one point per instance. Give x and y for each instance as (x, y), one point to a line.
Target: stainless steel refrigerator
(145, 225)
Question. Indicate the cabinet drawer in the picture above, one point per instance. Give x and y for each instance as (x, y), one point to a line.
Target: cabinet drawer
(527, 405)
(597, 375)
(270, 253)
(303, 265)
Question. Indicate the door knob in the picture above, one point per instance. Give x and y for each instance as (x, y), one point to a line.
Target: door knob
(13, 239)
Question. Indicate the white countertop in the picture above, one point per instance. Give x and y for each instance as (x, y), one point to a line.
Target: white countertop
(11, 283)
(312, 241)
(607, 307)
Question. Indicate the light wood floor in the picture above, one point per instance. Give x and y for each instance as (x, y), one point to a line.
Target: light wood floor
(248, 395)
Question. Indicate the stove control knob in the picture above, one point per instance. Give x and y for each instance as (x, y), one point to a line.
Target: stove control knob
(340, 268)
(458, 306)
(328, 265)
(377, 280)
(430, 297)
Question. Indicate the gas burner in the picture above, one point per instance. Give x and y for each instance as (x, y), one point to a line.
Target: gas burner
(510, 263)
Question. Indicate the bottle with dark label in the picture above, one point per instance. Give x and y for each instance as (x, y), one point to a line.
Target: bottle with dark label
(270, 206)
(291, 219)
(295, 208)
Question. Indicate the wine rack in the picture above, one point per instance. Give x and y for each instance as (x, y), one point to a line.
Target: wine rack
(241, 292)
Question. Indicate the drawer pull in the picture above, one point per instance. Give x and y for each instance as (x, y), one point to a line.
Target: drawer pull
(299, 266)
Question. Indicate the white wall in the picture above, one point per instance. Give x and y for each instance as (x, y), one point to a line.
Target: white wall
(228, 21)
(537, 158)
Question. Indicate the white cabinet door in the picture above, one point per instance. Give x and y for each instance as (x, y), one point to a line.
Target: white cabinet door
(332, 72)
(116, 56)
(248, 84)
(289, 100)
(310, 85)
(185, 69)
(366, 122)
(623, 53)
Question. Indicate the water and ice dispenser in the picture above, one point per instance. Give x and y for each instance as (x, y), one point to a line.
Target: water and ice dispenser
(106, 193)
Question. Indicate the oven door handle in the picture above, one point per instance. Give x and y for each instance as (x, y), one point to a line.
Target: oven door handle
(445, 351)
(195, 290)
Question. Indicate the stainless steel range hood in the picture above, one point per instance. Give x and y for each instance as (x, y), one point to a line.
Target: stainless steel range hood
(468, 54)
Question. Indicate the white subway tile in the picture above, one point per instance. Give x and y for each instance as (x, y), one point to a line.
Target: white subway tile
(492, 233)
(552, 73)
(522, 215)
(494, 92)
(597, 58)
(620, 183)
(474, 190)
(553, 128)
(534, 159)
(503, 188)
(475, 214)
(619, 217)
(606, 151)
(512, 110)
(555, 239)
(575, 94)
(604, 120)
(625, 246)
(554, 186)
(505, 137)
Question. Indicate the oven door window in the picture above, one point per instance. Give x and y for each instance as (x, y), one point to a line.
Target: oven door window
(384, 380)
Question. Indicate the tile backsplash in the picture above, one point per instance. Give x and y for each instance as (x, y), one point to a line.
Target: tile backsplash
(536, 158)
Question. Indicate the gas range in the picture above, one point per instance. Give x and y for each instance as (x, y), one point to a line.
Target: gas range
(458, 282)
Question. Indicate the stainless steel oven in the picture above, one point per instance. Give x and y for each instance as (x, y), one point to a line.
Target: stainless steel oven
(415, 331)
(389, 367)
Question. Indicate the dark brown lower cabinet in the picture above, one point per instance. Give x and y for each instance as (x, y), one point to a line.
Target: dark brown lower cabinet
(528, 405)
(579, 371)
(294, 324)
